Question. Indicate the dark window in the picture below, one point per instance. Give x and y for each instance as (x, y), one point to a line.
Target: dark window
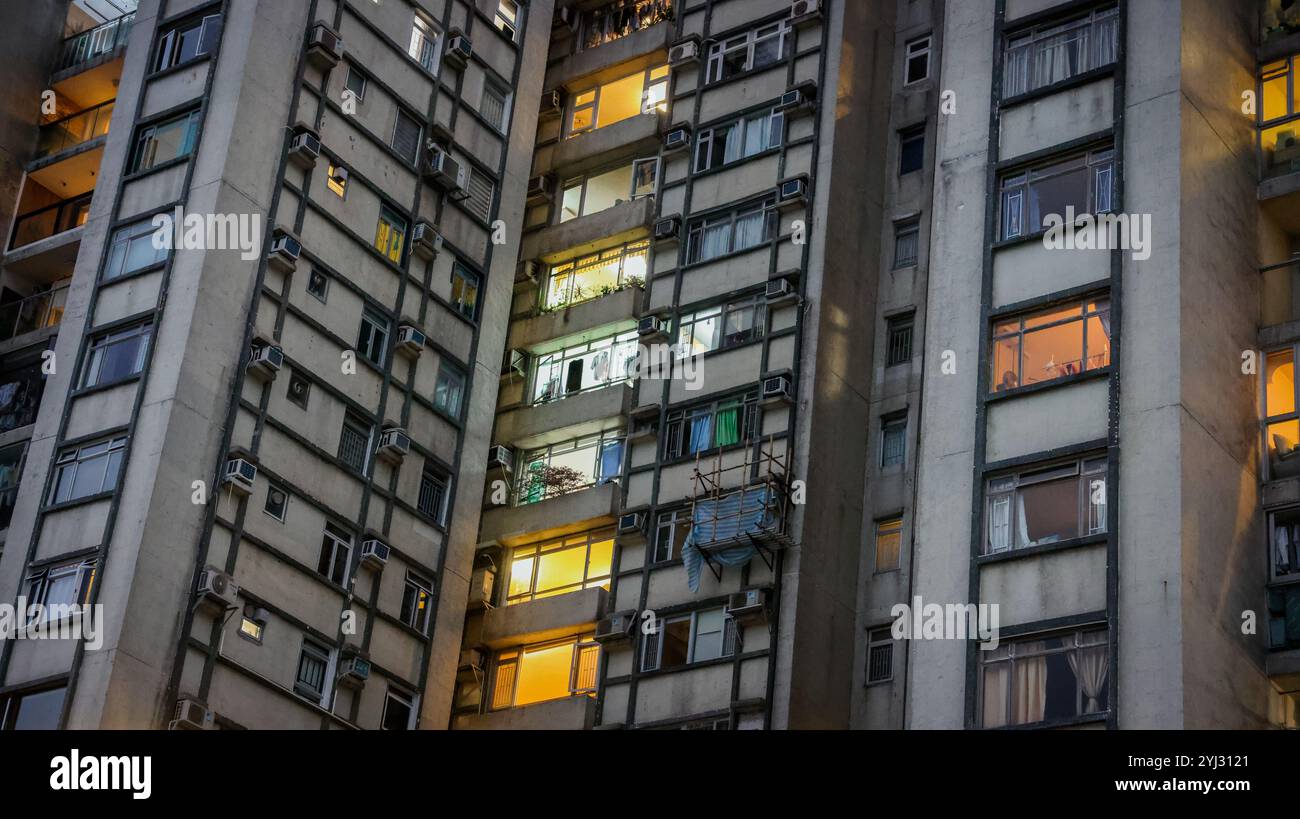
(670, 534)
(165, 141)
(335, 549)
(1084, 182)
(373, 341)
(188, 41)
(277, 502)
(911, 150)
(433, 496)
(906, 238)
(356, 83)
(917, 60)
(893, 440)
(299, 389)
(406, 136)
(312, 665)
(448, 391)
(318, 284)
(354, 443)
(880, 655)
(398, 708)
(417, 597)
(86, 470)
(116, 355)
(32, 711)
(899, 340)
(464, 290)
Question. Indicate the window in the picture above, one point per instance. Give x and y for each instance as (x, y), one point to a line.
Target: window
(570, 466)
(493, 105)
(1045, 678)
(906, 238)
(313, 667)
(167, 140)
(594, 193)
(337, 182)
(599, 274)
(893, 440)
(424, 44)
(619, 99)
(116, 355)
(692, 638)
(589, 366)
(464, 290)
(251, 630)
(1046, 505)
(32, 710)
(732, 232)
(399, 711)
(87, 470)
(1036, 348)
(710, 426)
(354, 443)
(432, 501)
(406, 136)
(614, 21)
(880, 655)
(717, 328)
(1083, 182)
(917, 61)
(335, 550)
(671, 531)
(299, 389)
(523, 676)
(277, 502)
(390, 235)
(132, 249)
(724, 144)
(507, 18)
(911, 150)
(561, 566)
(1279, 115)
(1284, 540)
(482, 193)
(356, 83)
(898, 344)
(1054, 52)
(61, 586)
(373, 341)
(751, 51)
(417, 602)
(318, 284)
(1282, 423)
(889, 543)
(188, 41)
(448, 390)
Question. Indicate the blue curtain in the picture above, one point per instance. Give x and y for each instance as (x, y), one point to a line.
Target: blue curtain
(701, 432)
(721, 520)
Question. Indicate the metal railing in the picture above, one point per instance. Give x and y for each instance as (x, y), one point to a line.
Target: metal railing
(95, 42)
(33, 313)
(50, 220)
(1280, 294)
(74, 130)
(621, 19)
(1278, 19)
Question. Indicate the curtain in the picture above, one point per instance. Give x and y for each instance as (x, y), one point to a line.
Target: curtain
(716, 240)
(755, 135)
(701, 429)
(1105, 41)
(997, 678)
(1015, 78)
(611, 462)
(1029, 688)
(749, 230)
(728, 426)
(1282, 539)
(731, 151)
(1090, 666)
(1022, 526)
(999, 523)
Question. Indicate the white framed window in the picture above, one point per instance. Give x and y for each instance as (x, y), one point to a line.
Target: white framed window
(373, 340)
(751, 51)
(417, 602)
(721, 326)
(464, 290)
(917, 60)
(449, 389)
(60, 585)
(315, 667)
(544, 672)
(434, 496)
(335, 551)
(617, 100)
(739, 139)
(731, 231)
(689, 638)
(399, 711)
(1045, 678)
(671, 529)
(1084, 182)
(356, 83)
(880, 655)
(188, 41)
(1045, 505)
(494, 105)
(509, 18)
(593, 193)
(87, 470)
(132, 249)
(1054, 52)
(354, 443)
(424, 46)
(116, 355)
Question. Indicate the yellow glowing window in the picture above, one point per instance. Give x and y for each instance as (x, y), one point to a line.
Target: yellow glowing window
(251, 629)
(337, 180)
(545, 672)
(560, 566)
(1282, 424)
(620, 99)
(390, 234)
(1049, 345)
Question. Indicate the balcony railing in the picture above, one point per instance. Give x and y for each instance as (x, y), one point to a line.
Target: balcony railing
(1279, 18)
(74, 130)
(50, 220)
(100, 40)
(32, 313)
(1280, 294)
(621, 19)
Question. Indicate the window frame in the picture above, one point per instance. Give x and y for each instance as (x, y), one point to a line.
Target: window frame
(900, 335)
(598, 443)
(669, 525)
(880, 640)
(296, 376)
(145, 134)
(168, 56)
(907, 137)
(436, 479)
(548, 373)
(450, 377)
(501, 95)
(360, 95)
(425, 45)
(654, 643)
(915, 48)
(509, 24)
(1015, 185)
(721, 315)
(1095, 308)
(704, 158)
(676, 432)
(323, 295)
(390, 233)
(72, 457)
(373, 337)
(417, 602)
(465, 279)
(125, 237)
(39, 581)
(284, 506)
(357, 425)
(335, 566)
(698, 228)
(881, 530)
(103, 344)
(583, 647)
(748, 42)
(654, 95)
(1078, 636)
(1087, 471)
(903, 231)
(322, 654)
(405, 698)
(893, 424)
(572, 270)
(582, 184)
(534, 554)
(1029, 37)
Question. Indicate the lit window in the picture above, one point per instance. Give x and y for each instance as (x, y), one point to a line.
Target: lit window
(724, 144)
(1045, 679)
(449, 389)
(692, 638)
(614, 21)
(390, 235)
(373, 341)
(721, 327)
(731, 232)
(116, 355)
(251, 629)
(335, 549)
(917, 60)
(417, 600)
(618, 100)
(893, 441)
(336, 179)
(507, 18)
(57, 588)
(752, 51)
(1050, 344)
(1083, 183)
(87, 470)
(558, 567)
(1279, 114)
(1282, 423)
(880, 655)
(889, 542)
(1054, 52)
(188, 41)
(464, 290)
(594, 193)
(1046, 505)
(277, 502)
(132, 249)
(171, 139)
(599, 274)
(541, 673)
(578, 368)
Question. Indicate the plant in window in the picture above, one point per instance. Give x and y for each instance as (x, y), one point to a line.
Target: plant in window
(554, 481)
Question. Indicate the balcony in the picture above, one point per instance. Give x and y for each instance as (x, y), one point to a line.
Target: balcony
(616, 34)
(625, 222)
(1279, 307)
(94, 46)
(21, 386)
(569, 714)
(636, 136)
(603, 313)
(38, 312)
(1279, 19)
(542, 620)
(578, 511)
(74, 131)
(563, 418)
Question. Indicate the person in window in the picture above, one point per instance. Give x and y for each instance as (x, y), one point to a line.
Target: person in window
(1009, 381)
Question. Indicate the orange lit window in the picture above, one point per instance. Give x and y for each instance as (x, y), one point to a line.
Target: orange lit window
(620, 99)
(1056, 343)
(560, 566)
(1282, 425)
(545, 672)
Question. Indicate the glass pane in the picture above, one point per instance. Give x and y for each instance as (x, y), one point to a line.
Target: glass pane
(544, 674)
(561, 569)
(1006, 364)
(600, 561)
(1099, 341)
(620, 100)
(1047, 512)
(1053, 353)
(521, 576)
(1280, 383)
(1282, 440)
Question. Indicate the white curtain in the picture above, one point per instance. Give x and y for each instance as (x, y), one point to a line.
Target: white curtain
(1105, 37)
(1090, 666)
(1282, 539)
(996, 680)
(734, 139)
(999, 524)
(1016, 72)
(716, 238)
(1029, 688)
(756, 135)
(1022, 526)
(749, 230)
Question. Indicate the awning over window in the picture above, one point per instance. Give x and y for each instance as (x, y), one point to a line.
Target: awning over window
(723, 527)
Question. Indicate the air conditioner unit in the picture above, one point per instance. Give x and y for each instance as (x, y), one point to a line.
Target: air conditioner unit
(552, 104)
(239, 475)
(643, 431)
(798, 101)
(803, 12)
(324, 48)
(748, 605)
(374, 553)
(459, 49)
(792, 192)
(502, 457)
(426, 241)
(410, 340)
(470, 658)
(444, 171)
(616, 628)
(780, 292)
(304, 148)
(354, 671)
(668, 230)
(684, 52)
(651, 328)
(394, 444)
(265, 361)
(217, 590)
(678, 139)
(631, 528)
(480, 588)
(540, 189)
(777, 390)
(192, 715)
(285, 250)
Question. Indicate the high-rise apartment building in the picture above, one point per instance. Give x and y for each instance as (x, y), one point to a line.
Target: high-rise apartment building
(574, 364)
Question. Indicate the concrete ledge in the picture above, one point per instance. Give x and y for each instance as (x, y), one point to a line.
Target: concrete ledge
(639, 51)
(48, 259)
(570, 714)
(538, 621)
(576, 512)
(605, 315)
(625, 222)
(587, 413)
(633, 137)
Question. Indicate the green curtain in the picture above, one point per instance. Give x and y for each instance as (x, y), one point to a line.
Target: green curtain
(727, 428)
